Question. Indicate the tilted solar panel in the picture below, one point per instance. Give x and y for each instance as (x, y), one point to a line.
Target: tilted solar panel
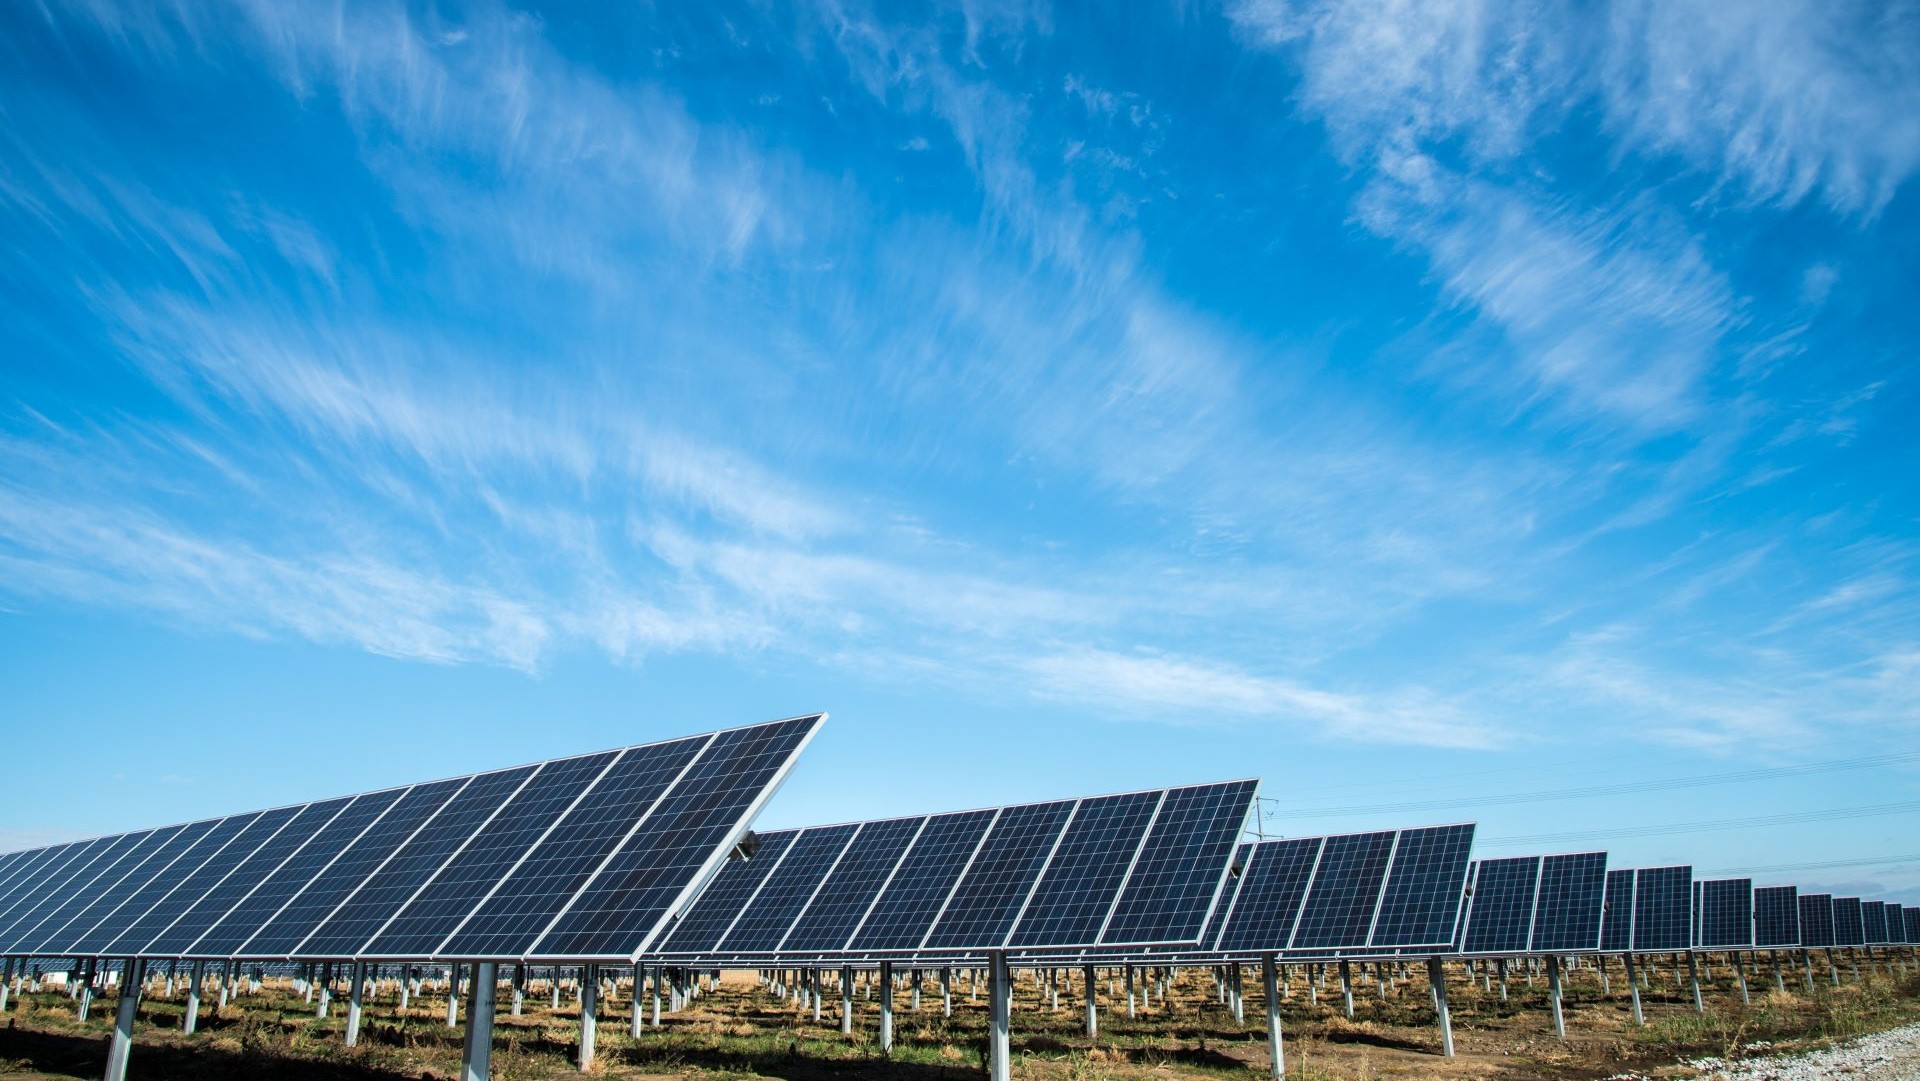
(1663, 909)
(1344, 892)
(700, 928)
(1060, 875)
(1776, 917)
(767, 917)
(1210, 938)
(1849, 926)
(1816, 920)
(1421, 903)
(1500, 919)
(1266, 907)
(1616, 924)
(1570, 904)
(1726, 914)
(1873, 922)
(1912, 915)
(496, 863)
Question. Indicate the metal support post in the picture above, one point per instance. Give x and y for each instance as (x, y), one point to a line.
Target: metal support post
(1633, 987)
(1346, 988)
(476, 1048)
(589, 1009)
(453, 997)
(1276, 1049)
(658, 974)
(1740, 975)
(1502, 966)
(85, 992)
(813, 985)
(638, 1020)
(1129, 969)
(1693, 976)
(1437, 976)
(1093, 1002)
(999, 1037)
(946, 992)
(1553, 994)
(846, 1001)
(120, 1049)
(196, 976)
(354, 996)
(886, 1007)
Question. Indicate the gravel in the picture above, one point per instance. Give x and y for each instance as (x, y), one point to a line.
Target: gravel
(1893, 1055)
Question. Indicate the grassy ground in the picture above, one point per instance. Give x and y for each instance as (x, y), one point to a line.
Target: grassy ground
(742, 1031)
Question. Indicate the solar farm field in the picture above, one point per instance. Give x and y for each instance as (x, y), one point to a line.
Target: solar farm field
(744, 1027)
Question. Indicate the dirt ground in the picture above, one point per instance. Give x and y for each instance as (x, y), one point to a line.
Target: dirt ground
(743, 1030)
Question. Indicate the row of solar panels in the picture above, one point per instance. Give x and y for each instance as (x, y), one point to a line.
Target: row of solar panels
(578, 858)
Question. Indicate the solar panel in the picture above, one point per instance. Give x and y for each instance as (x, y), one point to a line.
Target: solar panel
(1344, 892)
(983, 906)
(1570, 904)
(552, 852)
(771, 912)
(1725, 914)
(1075, 895)
(703, 923)
(1210, 938)
(1616, 923)
(1849, 929)
(1181, 868)
(908, 901)
(1267, 905)
(1421, 903)
(1053, 875)
(1776, 916)
(1662, 909)
(656, 870)
(1816, 920)
(1500, 918)
(1913, 923)
(1873, 921)
(833, 913)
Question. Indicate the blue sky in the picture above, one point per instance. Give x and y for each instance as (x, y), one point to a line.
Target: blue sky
(1397, 402)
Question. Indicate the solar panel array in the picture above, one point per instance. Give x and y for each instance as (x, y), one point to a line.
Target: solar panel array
(1662, 909)
(578, 858)
(1536, 904)
(1816, 920)
(1776, 917)
(1724, 914)
(1136, 869)
(1322, 896)
(1849, 923)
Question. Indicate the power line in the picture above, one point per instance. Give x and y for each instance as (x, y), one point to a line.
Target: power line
(1704, 827)
(1819, 866)
(1622, 789)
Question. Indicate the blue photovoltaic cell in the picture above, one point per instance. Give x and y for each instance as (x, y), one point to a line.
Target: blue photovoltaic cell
(193, 884)
(216, 902)
(1501, 917)
(1776, 916)
(1848, 927)
(519, 911)
(982, 908)
(1345, 891)
(771, 913)
(1816, 920)
(453, 892)
(700, 928)
(1726, 914)
(152, 897)
(1421, 903)
(1913, 923)
(354, 923)
(38, 868)
(829, 919)
(298, 918)
(1267, 905)
(231, 931)
(1663, 909)
(1873, 920)
(93, 867)
(624, 905)
(923, 880)
(1181, 866)
(1572, 898)
(1077, 891)
(1616, 923)
(1210, 938)
(156, 856)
